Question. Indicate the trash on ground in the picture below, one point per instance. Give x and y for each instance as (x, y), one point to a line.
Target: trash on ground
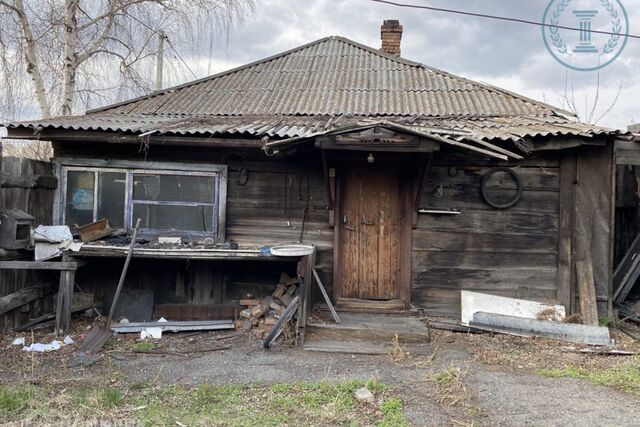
(155, 333)
(18, 341)
(473, 302)
(512, 325)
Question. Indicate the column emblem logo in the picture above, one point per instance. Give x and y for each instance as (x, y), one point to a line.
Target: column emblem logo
(586, 48)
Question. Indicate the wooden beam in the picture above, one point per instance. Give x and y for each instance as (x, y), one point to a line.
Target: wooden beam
(65, 302)
(41, 265)
(419, 188)
(126, 138)
(32, 181)
(587, 293)
(566, 274)
(326, 297)
(21, 297)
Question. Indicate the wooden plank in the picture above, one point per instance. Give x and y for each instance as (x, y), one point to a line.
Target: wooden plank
(587, 293)
(423, 260)
(325, 296)
(21, 297)
(65, 302)
(566, 276)
(485, 221)
(627, 157)
(30, 181)
(41, 265)
(542, 277)
(593, 225)
(627, 272)
(368, 235)
(483, 242)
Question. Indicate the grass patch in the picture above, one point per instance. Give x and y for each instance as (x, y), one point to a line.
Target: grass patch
(144, 346)
(624, 378)
(14, 400)
(321, 403)
(392, 413)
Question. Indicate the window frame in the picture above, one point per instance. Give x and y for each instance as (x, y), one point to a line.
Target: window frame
(129, 168)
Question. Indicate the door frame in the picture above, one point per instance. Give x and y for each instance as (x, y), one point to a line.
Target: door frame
(406, 179)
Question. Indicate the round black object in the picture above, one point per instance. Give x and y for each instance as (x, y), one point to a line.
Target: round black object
(485, 193)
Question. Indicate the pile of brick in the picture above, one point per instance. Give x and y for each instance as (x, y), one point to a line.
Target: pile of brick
(262, 314)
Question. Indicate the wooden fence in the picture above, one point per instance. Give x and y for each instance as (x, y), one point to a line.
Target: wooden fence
(20, 189)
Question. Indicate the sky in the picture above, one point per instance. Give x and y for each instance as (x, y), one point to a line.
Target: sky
(509, 55)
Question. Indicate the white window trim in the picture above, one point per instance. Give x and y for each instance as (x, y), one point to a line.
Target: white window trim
(62, 165)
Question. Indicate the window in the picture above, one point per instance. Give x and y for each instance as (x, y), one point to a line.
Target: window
(165, 200)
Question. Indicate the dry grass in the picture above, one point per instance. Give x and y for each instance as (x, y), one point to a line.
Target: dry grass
(452, 392)
(530, 353)
(397, 353)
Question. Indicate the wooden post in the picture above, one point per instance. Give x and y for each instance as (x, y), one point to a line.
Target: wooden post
(65, 301)
(587, 293)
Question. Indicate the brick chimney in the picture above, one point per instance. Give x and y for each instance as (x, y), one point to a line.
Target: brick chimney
(391, 36)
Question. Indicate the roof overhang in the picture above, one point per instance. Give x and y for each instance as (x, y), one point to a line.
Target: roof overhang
(385, 136)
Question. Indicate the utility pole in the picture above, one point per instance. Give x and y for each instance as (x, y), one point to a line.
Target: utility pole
(160, 59)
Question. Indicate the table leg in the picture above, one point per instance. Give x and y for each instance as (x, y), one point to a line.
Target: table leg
(65, 300)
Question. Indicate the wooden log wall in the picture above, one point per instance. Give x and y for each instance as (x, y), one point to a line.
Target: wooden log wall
(512, 252)
(38, 202)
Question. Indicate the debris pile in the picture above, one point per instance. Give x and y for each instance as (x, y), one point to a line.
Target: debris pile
(261, 315)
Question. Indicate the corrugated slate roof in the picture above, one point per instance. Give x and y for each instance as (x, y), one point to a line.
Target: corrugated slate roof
(332, 76)
(324, 86)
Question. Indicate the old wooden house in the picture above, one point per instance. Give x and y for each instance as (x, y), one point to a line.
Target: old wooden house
(411, 182)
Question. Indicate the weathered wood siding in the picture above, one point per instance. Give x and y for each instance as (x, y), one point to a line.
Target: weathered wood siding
(512, 252)
(37, 202)
(267, 209)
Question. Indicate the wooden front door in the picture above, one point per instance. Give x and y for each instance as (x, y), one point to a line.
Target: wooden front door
(370, 232)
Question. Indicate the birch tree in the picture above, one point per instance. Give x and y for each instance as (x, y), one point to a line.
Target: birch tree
(70, 50)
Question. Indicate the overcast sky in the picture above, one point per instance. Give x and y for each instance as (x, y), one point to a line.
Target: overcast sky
(509, 55)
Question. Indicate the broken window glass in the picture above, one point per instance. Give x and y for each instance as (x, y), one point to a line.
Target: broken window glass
(79, 202)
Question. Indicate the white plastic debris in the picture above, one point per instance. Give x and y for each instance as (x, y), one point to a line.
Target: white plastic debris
(68, 340)
(39, 347)
(155, 333)
(18, 341)
(162, 319)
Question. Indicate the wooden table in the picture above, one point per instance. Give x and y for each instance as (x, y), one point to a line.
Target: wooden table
(67, 268)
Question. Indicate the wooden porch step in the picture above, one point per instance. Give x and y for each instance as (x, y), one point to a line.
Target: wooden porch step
(364, 347)
(368, 327)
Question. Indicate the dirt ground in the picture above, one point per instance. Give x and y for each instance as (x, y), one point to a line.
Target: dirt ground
(468, 379)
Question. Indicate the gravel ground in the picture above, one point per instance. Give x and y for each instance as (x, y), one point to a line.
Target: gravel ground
(500, 394)
(502, 397)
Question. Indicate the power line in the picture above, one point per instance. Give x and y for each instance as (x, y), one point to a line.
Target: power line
(180, 57)
(500, 18)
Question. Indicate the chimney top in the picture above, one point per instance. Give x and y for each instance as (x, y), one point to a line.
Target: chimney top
(391, 36)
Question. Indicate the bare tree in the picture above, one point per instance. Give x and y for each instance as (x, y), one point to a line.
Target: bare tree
(568, 99)
(70, 50)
